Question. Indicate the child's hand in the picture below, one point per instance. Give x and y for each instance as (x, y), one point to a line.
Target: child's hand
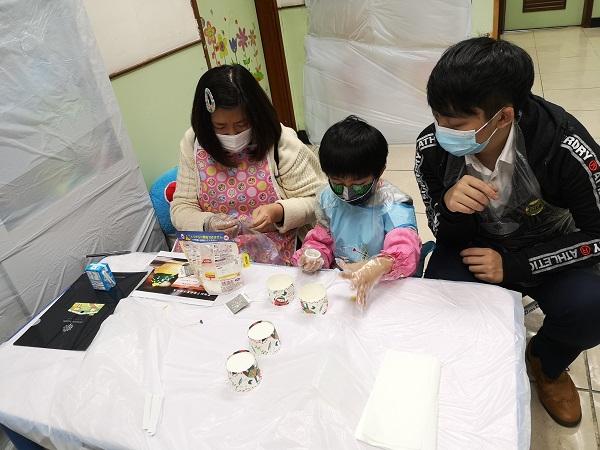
(310, 260)
(364, 275)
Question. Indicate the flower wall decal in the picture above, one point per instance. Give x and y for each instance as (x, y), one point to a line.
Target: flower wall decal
(242, 38)
(222, 47)
(210, 33)
(236, 42)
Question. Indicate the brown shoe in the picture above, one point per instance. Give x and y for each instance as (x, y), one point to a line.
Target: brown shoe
(559, 397)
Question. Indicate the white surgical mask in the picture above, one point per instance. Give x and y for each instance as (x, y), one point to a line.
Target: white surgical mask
(461, 143)
(237, 142)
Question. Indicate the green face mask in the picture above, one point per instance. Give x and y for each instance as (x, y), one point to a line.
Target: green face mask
(355, 194)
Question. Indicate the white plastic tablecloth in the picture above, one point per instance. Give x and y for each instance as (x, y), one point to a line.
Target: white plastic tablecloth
(312, 392)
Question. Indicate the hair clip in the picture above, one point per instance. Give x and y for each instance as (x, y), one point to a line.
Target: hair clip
(209, 100)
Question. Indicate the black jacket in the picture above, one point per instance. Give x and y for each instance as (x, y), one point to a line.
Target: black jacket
(563, 157)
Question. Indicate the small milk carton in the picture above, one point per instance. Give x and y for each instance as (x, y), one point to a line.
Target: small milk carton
(100, 276)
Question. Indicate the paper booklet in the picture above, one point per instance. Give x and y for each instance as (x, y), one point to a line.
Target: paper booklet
(170, 279)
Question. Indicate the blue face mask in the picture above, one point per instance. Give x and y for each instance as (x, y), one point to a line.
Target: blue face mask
(461, 143)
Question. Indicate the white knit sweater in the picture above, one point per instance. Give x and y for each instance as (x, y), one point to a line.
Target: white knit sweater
(300, 175)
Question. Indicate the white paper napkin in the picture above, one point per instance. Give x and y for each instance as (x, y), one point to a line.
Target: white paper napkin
(402, 410)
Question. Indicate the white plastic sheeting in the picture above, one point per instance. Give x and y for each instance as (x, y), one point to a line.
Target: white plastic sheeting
(313, 391)
(69, 181)
(373, 59)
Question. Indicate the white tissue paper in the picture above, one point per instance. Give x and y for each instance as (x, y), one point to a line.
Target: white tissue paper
(402, 410)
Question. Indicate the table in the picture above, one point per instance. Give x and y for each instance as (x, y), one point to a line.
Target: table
(313, 391)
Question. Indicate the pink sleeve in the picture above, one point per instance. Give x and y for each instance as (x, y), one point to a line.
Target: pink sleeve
(404, 246)
(319, 239)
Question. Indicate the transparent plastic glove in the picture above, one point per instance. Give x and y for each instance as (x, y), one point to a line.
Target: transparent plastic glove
(223, 222)
(310, 260)
(364, 275)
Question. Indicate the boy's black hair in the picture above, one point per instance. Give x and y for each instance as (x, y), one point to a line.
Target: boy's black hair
(353, 148)
(480, 73)
(232, 86)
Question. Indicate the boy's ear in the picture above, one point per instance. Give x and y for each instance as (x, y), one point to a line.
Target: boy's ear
(506, 117)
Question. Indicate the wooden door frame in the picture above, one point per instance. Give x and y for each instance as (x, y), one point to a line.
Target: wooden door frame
(586, 19)
(273, 49)
(499, 16)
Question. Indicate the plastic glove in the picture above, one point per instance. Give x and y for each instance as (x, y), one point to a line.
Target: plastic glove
(310, 260)
(364, 275)
(222, 222)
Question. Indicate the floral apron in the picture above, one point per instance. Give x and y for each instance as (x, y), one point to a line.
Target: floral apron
(240, 190)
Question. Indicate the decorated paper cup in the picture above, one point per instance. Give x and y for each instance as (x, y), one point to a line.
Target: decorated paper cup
(281, 289)
(243, 371)
(263, 338)
(313, 298)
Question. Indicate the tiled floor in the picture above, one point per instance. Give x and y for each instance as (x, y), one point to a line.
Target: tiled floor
(567, 64)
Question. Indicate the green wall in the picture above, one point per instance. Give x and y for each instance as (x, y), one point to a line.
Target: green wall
(596, 9)
(156, 102)
(482, 17)
(294, 26)
(517, 20)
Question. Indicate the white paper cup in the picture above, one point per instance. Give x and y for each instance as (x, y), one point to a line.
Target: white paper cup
(312, 254)
(243, 371)
(263, 338)
(281, 289)
(313, 298)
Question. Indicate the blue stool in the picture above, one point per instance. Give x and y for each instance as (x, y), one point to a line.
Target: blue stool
(20, 442)
(426, 249)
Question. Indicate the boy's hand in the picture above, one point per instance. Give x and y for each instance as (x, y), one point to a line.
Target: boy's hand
(363, 276)
(485, 263)
(265, 216)
(310, 260)
(470, 195)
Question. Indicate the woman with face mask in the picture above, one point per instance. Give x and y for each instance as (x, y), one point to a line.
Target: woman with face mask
(239, 164)
(365, 225)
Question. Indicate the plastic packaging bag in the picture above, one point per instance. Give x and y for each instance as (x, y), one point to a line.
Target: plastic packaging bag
(215, 259)
(258, 246)
(520, 217)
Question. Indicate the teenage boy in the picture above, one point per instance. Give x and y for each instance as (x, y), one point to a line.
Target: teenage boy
(511, 185)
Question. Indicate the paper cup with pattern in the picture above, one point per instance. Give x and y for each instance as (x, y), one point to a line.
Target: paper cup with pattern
(243, 371)
(313, 298)
(281, 289)
(263, 338)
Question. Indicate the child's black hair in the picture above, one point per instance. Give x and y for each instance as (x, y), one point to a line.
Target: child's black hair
(353, 148)
(232, 86)
(480, 73)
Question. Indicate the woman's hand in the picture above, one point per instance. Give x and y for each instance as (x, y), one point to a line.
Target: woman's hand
(224, 223)
(265, 216)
